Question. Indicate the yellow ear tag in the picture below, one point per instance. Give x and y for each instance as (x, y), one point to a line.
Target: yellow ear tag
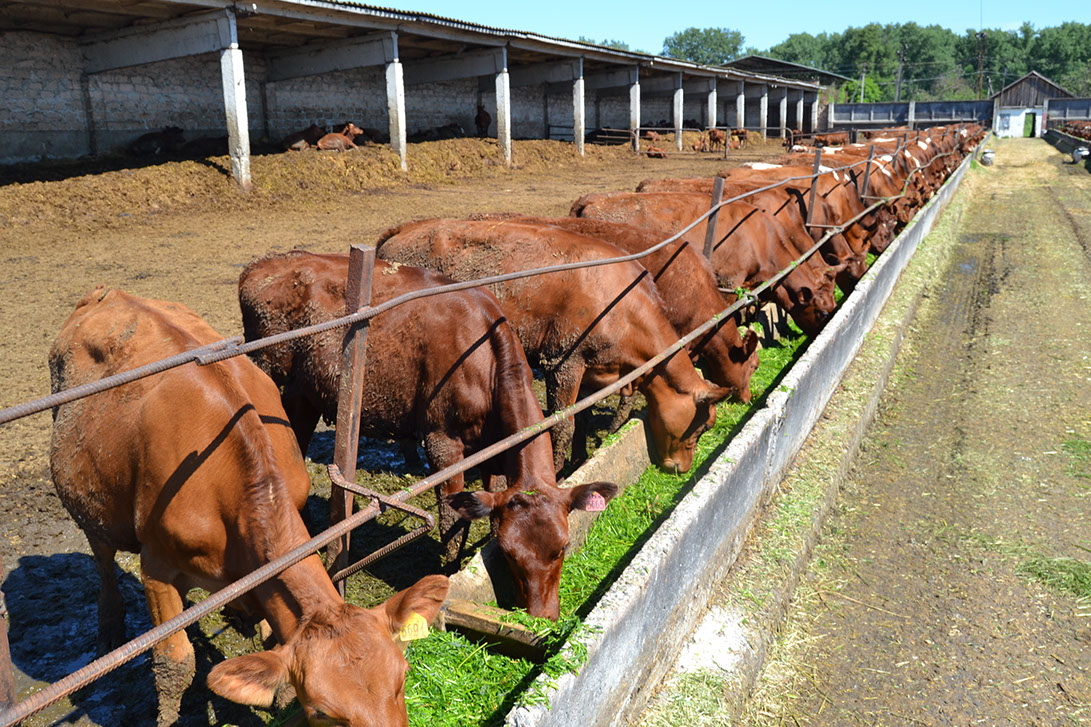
(415, 628)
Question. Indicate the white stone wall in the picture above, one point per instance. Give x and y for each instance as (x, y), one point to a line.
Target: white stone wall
(357, 95)
(428, 105)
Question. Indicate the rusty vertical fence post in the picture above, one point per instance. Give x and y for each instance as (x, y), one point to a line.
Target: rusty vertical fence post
(867, 171)
(7, 676)
(350, 390)
(710, 223)
(814, 184)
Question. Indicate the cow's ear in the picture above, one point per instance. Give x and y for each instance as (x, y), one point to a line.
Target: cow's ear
(251, 679)
(712, 395)
(424, 598)
(803, 296)
(581, 497)
(474, 505)
(749, 342)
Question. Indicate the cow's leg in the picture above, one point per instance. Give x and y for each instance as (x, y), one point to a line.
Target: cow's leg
(173, 661)
(562, 388)
(111, 606)
(624, 411)
(444, 451)
(302, 414)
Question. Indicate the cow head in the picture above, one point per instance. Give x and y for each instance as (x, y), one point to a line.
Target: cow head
(532, 533)
(677, 419)
(733, 363)
(812, 305)
(343, 661)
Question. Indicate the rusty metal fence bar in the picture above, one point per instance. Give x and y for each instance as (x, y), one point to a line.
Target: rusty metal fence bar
(225, 349)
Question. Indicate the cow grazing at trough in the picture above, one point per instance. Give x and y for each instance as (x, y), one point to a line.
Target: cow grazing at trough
(342, 140)
(687, 284)
(448, 370)
(158, 143)
(585, 327)
(305, 139)
(482, 121)
(197, 470)
(750, 246)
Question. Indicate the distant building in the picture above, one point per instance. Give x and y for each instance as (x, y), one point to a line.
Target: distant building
(1020, 107)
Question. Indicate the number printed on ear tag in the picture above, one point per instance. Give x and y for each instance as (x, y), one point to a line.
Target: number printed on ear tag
(415, 628)
(595, 503)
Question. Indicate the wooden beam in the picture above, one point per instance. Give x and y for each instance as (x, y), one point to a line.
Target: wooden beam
(193, 35)
(487, 624)
(340, 55)
(485, 62)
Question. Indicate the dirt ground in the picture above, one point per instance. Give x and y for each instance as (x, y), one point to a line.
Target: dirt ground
(919, 607)
(180, 231)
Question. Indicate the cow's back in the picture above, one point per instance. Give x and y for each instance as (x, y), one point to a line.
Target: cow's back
(424, 361)
(150, 462)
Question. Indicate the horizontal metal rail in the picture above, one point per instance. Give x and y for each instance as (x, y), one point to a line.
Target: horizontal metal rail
(224, 349)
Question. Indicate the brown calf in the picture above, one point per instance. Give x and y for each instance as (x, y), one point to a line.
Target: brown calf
(341, 141)
(300, 140)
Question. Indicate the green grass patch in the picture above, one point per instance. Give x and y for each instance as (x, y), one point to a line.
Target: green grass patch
(456, 682)
(1079, 454)
(1066, 575)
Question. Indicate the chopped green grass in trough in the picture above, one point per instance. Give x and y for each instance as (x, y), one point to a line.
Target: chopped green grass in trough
(454, 681)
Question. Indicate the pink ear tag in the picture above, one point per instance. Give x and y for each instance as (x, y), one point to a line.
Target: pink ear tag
(595, 503)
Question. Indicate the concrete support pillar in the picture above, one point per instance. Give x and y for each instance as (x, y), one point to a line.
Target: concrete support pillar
(579, 112)
(238, 130)
(799, 112)
(503, 112)
(678, 112)
(764, 110)
(812, 99)
(910, 121)
(740, 107)
(395, 109)
(713, 107)
(783, 113)
(634, 112)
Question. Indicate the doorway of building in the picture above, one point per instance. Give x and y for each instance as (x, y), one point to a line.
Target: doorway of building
(1029, 122)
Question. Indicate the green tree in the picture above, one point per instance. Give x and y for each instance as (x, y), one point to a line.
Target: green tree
(710, 46)
(615, 44)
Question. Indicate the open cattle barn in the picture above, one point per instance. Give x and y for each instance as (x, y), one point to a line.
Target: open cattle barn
(88, 76)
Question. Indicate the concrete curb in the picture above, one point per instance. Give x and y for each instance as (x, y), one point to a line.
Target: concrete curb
(640, 624)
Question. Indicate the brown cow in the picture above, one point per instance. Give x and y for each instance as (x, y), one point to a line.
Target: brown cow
(654, 152)
(447, 369)
(788, 205)
(341, 141)
(687, 284)
(831, 139)
(300, 140)
(197, 470)
(716, 139)
(482, 121)
(751, 246)
(585, 327)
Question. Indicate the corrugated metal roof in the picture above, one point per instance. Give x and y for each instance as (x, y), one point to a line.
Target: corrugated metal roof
(408, 16)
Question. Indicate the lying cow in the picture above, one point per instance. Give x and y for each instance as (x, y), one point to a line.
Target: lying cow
(342, 140)
(301, 140)
(585, 327)
(197, 470)
(158, 143)
(448, 370)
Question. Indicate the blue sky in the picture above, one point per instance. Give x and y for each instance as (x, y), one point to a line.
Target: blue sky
(644, 25)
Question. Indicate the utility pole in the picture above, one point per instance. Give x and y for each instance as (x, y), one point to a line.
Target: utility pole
(863, 78)
(980, 61)
(898, 83)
